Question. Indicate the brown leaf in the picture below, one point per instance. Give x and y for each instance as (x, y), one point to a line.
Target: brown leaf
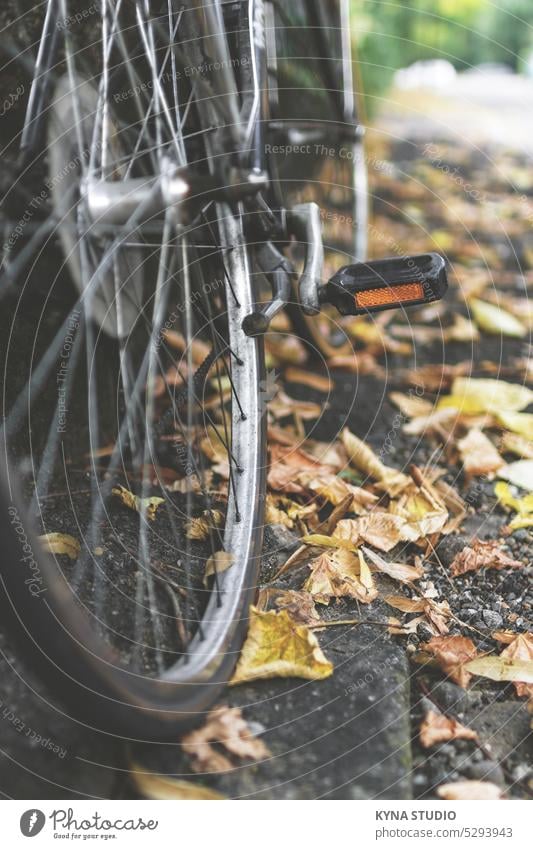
(436, 613)
(286, 462)
(467, 790)
(399, 571)
(334, 489)
(437, 728)
(452, 654)
(478, 454)
(379, 529)
(57, 543)
(299, 604)
(278, 647)
(481, 554)
(227, 728)
(338, 574)
(308, 378)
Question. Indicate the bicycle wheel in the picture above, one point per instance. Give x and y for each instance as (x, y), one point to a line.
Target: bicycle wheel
(133, 435)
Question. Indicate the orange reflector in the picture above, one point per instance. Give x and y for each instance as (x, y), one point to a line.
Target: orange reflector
(390, 295)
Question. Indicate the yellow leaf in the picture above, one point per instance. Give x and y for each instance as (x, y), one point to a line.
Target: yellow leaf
(57, 543)
(219, 562)
(323, 541)
(200, 527)
(339, 574)
(485, 395)
(363, 458)
(502, 668)
(493, 319)
(153, 786)
(278, 647)
(522, 506)
(521, 423)
(144, 506)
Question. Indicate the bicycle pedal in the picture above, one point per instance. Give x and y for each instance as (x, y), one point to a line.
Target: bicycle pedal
(386, 284)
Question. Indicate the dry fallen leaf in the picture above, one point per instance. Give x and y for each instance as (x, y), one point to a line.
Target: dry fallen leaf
(478, 454)
(299, 604)
(324, 541)
(365, 460)
(467, 790)
(145, 506)
(218, 562)
(493, 319)
(411, 405)
(149, 785)
(519, 474)
(57, 543)
(437, 728)
(452, 655)
(286, 463)
(520, 648)
(200, 527)
(522, 506)
(380, 530)
(308, 378)
(334, 489)
(399, 571)
(486, 395)
(513, 443)
(502, 668)
(481, 555)
(277, 646)
(340, 573)
(435, 614)
(519, 423)
(227, 728)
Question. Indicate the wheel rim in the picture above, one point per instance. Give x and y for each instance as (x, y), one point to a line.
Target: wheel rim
(205, 328)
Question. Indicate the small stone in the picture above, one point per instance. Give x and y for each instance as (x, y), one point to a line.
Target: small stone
(492, 619)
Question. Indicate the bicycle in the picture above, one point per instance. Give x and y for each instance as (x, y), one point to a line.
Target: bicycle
(149, 123)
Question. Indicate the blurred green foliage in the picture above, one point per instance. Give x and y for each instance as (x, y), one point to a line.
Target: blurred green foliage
(391, 34)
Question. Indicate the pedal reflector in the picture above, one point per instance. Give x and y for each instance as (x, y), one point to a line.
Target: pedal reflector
(389, 296)
(386, 283)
